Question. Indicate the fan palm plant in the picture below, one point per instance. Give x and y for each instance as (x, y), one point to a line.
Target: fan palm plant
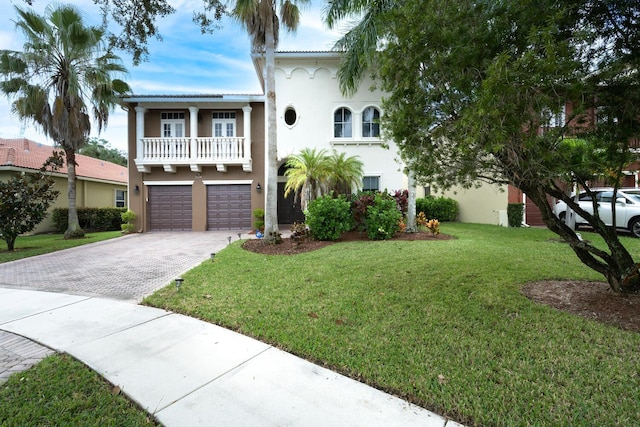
(60, 81)
(308, 175)
(346, 172)
(262, 23)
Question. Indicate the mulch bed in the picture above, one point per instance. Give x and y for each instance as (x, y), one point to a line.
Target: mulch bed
(291, 247)
(592, 300)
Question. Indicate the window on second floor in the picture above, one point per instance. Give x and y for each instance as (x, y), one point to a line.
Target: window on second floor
(342, 123)
(224, 124)
(371, 122)
(172, 124)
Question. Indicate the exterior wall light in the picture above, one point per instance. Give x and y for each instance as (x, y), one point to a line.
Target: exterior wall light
(258, 188)
(136, 189)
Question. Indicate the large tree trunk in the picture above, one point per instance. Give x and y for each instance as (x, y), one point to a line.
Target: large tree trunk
(73, 226)
(11, 242)
(617, 265)
(271, 231)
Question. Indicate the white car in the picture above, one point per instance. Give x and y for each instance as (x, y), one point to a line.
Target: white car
(627, 208)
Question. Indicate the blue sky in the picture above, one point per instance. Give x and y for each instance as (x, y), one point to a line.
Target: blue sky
(186, 61)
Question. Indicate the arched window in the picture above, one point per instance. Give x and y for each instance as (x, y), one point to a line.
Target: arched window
(371, 122)
(342, 123)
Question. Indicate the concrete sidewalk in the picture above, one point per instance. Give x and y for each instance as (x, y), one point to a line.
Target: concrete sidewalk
(187, 372)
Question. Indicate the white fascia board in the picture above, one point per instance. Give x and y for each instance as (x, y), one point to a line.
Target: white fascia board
(162, 101)
(227, 181)
(167, 182)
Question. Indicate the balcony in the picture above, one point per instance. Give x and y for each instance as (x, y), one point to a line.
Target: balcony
(194, 152)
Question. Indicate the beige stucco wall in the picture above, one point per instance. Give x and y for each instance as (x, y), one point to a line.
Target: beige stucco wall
(484, 205)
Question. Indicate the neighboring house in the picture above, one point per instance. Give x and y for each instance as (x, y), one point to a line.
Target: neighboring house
(488, 203)
(99, 183)
(197, 161)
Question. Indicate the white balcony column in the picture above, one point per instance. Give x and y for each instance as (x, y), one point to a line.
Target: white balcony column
(193, 130)
(247, 132)
(139, 132)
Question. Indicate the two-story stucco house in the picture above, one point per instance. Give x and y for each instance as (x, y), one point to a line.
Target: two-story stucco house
(197, 161)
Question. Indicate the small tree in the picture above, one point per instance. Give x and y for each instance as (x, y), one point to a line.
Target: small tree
(24, 200)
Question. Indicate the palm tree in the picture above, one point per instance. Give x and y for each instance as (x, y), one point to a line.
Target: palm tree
(346, 172)
(62, 77)
(359, 44)
(307, 175)
(260, 19)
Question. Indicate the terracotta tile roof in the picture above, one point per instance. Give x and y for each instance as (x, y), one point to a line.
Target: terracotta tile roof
(28, 154)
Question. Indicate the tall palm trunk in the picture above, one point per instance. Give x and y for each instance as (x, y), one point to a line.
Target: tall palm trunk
(73, 225)
(271, 159)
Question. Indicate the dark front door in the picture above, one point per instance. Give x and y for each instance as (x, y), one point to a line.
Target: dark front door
(289, 210)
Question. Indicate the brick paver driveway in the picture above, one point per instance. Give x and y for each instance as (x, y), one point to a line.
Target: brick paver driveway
(126, 268)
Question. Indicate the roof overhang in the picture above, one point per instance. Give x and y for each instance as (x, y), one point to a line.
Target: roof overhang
(203, 101)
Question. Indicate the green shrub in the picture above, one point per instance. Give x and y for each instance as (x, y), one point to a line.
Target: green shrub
(440, 208)
(328, 218)
(258, 214)
(383, 217)
(128, 219)
(515, 213)
(96, 219)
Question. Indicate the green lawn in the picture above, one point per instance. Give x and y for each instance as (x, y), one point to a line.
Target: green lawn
(60, 391)
(442, 323)
(28, 246)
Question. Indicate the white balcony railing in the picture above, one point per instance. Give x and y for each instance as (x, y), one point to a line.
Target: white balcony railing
(196, 152)
(165, 149)
(215, 149)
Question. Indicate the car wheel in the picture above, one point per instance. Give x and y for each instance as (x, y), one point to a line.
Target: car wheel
(634, 227)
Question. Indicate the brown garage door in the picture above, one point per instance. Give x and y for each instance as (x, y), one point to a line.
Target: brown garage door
(229, 207)
(170, 207)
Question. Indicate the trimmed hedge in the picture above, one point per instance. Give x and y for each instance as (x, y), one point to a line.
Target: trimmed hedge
(96, 219)
(515, 214)
(440, 208)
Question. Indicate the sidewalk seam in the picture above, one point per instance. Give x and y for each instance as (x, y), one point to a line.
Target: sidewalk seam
(157, 411)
